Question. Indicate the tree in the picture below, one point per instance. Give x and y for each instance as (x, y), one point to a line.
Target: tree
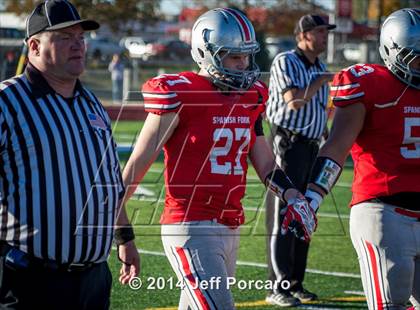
(20, 7)
(269, 17)
(113, 13)
(381, 8)
(282, 18)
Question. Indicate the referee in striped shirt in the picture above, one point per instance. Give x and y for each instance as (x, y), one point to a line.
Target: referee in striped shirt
(296, 110)
(60, 180)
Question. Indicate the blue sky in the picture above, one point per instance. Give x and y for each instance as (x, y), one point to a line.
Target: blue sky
(173, 7)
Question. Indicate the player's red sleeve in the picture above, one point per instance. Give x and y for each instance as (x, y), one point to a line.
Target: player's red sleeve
(160, 97)
(353, 85)
(345, 89)
(262, 90)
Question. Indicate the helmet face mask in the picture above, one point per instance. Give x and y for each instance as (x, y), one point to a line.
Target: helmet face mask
(231, 79)
(400, 45)
(222, 32)
(404, 62)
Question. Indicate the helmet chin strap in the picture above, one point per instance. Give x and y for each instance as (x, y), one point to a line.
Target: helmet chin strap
(224, 83)
(230, 80)
(225, 87)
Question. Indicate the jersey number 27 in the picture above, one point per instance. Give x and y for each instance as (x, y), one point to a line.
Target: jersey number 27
(230, 135)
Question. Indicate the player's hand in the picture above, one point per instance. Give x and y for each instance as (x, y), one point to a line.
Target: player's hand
(299, 219)
(130, 258)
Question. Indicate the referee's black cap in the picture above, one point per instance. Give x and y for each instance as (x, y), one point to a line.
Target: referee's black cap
(54, 15)
(309, 22)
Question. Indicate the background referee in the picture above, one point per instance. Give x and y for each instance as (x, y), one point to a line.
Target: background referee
(60, 180)
(297, 114)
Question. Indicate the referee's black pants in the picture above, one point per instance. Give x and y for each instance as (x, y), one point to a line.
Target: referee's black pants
(286, 254)
(41, 288)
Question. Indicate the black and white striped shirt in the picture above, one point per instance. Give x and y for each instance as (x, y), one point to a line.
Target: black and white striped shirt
(60, 179)
(290, 70)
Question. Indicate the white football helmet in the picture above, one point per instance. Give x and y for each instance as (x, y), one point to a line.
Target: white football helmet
(400, 44)
(225, 31)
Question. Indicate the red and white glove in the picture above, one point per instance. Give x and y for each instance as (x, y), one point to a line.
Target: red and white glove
(300, 219)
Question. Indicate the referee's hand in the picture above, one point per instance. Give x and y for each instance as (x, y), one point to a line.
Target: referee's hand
(129, 256)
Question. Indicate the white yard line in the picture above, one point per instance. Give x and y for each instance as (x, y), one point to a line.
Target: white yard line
(125, 136)
(320, 214)
(262, 209)
(314, 307)
(261, 265)
(360, 293)
(326, 273)
(128, 147)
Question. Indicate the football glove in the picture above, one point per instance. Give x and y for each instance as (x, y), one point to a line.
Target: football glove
(300, 219)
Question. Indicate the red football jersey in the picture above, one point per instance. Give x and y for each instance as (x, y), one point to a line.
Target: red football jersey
(206, 156)
(386, 153)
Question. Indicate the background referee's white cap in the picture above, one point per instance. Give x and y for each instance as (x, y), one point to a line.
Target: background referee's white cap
(54, 15)
(309, 22)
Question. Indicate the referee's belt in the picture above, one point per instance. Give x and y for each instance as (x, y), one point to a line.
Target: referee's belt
(16, 259)
(293, 136)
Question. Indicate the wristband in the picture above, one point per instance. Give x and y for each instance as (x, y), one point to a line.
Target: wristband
(325, 173)
(123, 235)
(278, 182)
(314, 199)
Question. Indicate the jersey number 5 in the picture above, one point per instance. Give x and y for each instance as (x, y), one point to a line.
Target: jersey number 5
(238, 134)
(406, 152)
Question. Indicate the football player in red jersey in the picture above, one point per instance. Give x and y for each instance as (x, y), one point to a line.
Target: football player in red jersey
(378, 118)
(209, 124)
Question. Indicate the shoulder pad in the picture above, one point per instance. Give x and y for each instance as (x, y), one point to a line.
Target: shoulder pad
(349, 85)
(161, 93)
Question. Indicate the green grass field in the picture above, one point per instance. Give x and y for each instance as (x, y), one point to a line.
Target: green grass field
(333, 271)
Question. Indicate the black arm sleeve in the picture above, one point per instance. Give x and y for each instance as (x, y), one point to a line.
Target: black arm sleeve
(278, 182)
(258, 128)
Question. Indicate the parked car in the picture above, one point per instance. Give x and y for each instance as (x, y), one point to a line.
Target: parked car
(102, 48)
(11, 44)
(170, 49)
(277, 45)
(137, 47)
(349, 52)
(11, 37)
(11, 33)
